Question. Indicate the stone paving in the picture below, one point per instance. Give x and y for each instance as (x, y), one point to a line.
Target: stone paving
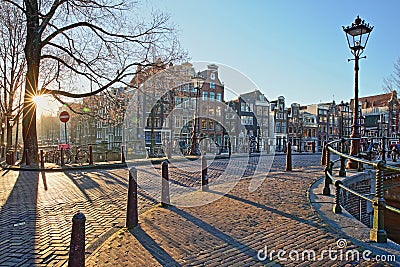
(232, 230)
(37, 207)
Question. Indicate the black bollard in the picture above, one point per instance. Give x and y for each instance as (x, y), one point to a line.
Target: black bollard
(289, 157)
(132, 207)
(62, 157)
(77, 245)
(90, 155)
(41, 159)
(122, 154)
(204, 174)
(165, 200)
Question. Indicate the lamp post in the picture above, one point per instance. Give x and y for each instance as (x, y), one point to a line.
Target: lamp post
(357, 44)
(198, 82)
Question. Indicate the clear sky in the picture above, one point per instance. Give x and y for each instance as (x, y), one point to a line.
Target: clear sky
(292, 48)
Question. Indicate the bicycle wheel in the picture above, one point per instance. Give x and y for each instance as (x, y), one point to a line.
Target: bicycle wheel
(81, 157)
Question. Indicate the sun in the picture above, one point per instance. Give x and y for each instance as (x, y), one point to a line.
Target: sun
(44, 104)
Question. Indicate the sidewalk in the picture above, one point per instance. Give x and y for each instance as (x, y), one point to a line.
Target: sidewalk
(238, 229)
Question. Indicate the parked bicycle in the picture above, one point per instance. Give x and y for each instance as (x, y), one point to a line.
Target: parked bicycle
(71, 154)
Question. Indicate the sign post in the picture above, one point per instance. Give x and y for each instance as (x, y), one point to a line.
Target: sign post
(64, 117)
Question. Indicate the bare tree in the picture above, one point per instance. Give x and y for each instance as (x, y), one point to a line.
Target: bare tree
(392, 82)
(95, 44)
(12, 67)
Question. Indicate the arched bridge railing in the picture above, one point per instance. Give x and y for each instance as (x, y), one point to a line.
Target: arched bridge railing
(377, 232)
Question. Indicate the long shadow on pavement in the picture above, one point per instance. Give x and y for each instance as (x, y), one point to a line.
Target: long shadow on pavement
(18, 217)
(153, 248)
(243, 248)
(266, 208)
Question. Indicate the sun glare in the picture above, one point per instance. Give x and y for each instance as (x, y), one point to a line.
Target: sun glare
(44, 105)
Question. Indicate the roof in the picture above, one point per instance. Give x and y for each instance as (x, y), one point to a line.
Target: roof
(381, 100)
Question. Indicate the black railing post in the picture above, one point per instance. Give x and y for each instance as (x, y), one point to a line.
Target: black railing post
(378, 233)
(165, 198)
(289, 157)
(77, 245)
(327, 191)
(383, 149)
(204, 174)
(132, 206)
(336, 207)
(323, 157)
(360, 164)
(342, 171)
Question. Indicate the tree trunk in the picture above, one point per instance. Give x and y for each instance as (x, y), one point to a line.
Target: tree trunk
(32, 54)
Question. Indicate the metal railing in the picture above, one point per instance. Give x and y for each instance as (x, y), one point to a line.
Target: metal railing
(377, 232)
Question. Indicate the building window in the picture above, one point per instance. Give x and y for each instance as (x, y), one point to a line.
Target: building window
(211, 111)
(212, 95)
(212, 85)
(278, 127)
(247, 120)
(205, 95)
(203, 124)
(218, 111)
(245, 107)
(219, 97)
(283, 127)
(211, 124)
(178, 122)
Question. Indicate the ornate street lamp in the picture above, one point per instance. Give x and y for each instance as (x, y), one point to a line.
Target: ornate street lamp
(198, 82)
(357, 37)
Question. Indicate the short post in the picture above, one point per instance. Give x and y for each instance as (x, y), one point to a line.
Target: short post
(323, 157)
(204, 174)
(165, 200)
(62, 157)
(132, 207)
(3, 150)
(289, 157)
(90, 155)
(336, 207)
(41, 159)
(342, 171)
(122, 154)
(378, 233)
(313, 147)
(27, 159)
(77, 245)
(327, 190)
(12, 158)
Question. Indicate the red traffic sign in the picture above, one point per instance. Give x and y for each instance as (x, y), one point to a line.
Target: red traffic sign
(64, 116)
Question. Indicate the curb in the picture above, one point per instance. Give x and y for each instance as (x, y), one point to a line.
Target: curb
(64, 168)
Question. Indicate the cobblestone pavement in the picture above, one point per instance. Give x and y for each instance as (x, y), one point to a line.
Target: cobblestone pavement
(37, 208)
(235, 230)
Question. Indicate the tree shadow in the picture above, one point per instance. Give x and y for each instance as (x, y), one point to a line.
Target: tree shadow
(243, 248)
(18, 218)
(153, 248)
(266, 208)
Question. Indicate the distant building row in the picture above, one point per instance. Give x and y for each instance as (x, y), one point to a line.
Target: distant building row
(161, 116)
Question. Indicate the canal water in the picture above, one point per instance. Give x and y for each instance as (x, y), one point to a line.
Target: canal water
(392, 221)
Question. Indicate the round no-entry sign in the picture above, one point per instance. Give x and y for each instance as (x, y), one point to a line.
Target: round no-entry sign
(64, 116)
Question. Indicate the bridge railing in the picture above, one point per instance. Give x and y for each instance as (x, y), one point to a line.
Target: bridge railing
(377, 232)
